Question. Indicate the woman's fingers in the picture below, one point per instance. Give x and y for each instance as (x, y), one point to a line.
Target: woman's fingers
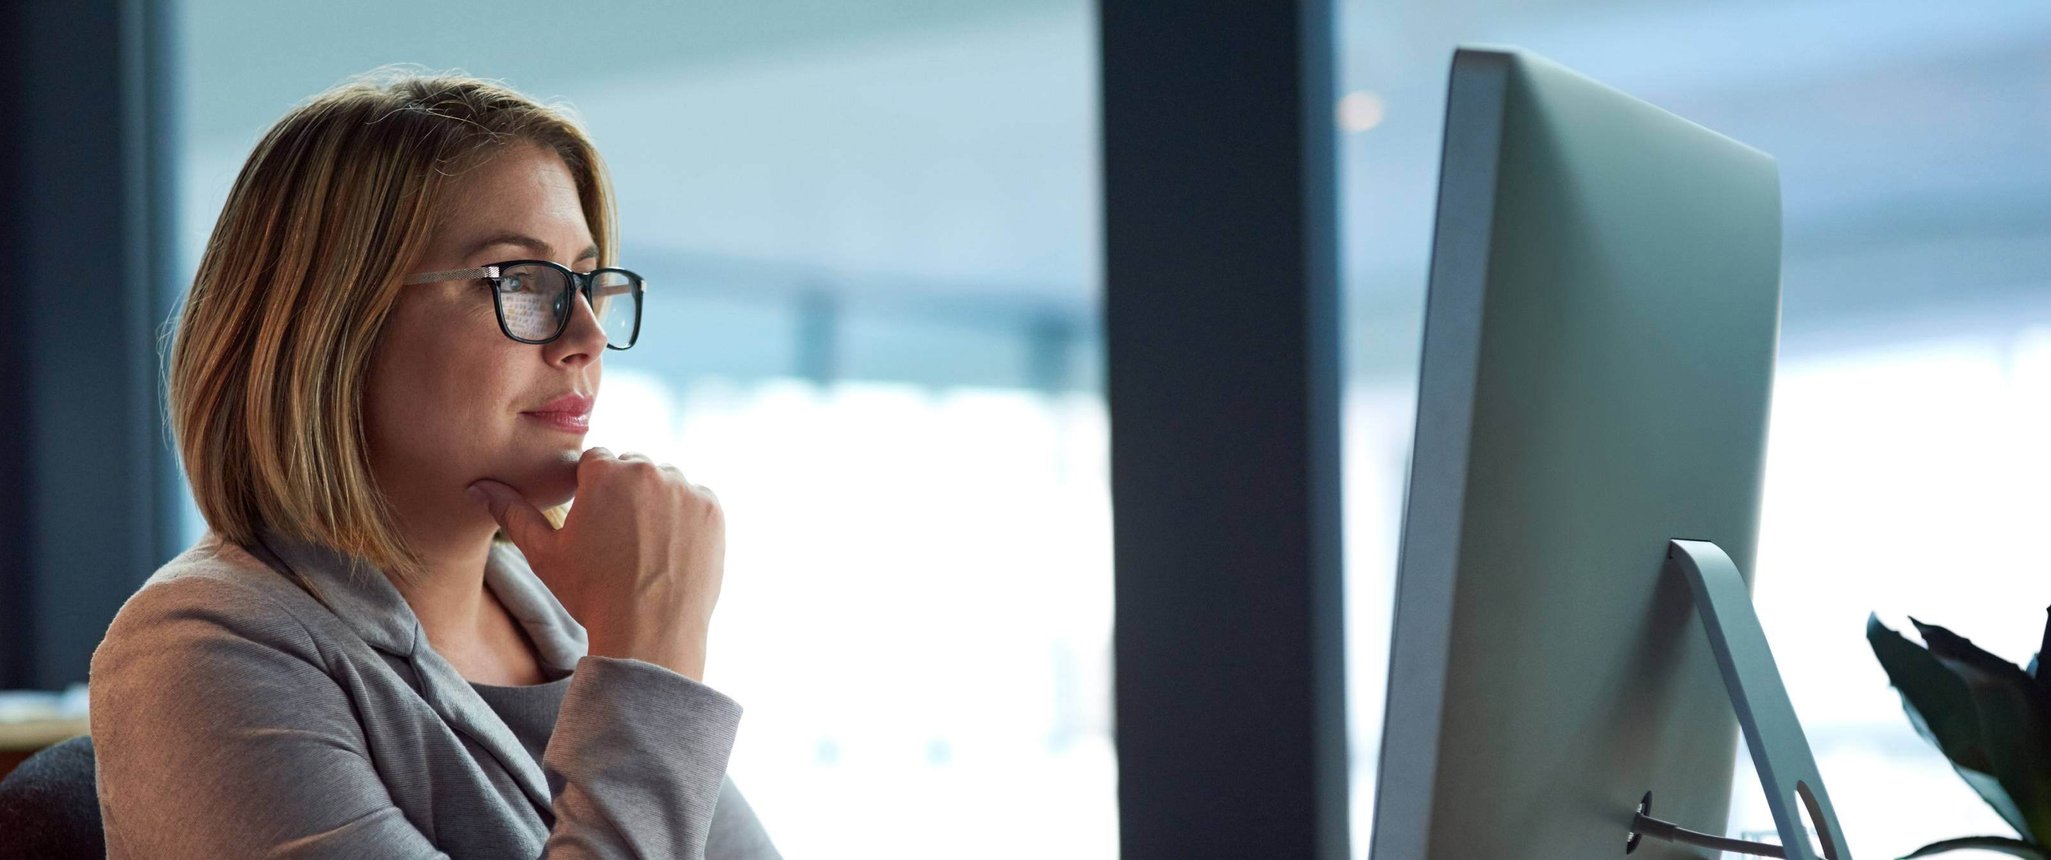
(522, 522)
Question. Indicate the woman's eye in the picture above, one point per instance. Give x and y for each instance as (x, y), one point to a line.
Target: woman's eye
(512, 285)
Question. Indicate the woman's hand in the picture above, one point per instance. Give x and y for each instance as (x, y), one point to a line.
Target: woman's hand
(638, 561)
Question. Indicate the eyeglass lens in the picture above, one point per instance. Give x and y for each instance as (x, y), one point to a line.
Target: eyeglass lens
(535, 300)
(614, 301)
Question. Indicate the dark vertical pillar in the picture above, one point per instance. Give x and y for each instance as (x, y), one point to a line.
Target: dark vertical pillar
(14, 448)
(1222, 326)
(88, 467)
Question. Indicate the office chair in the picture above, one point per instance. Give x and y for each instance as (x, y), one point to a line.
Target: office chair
(49, 807)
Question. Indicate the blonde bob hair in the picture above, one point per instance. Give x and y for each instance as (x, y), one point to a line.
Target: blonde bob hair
(275, 337)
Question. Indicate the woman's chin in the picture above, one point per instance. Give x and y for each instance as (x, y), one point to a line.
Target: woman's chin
(545, 485)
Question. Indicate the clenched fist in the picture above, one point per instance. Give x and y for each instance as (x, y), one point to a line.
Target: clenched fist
(638, 561)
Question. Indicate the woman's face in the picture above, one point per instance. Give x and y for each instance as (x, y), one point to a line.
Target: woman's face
(451, 399)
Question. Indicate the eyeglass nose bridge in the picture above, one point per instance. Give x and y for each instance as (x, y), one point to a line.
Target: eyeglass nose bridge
(586, 285)
(581, 284)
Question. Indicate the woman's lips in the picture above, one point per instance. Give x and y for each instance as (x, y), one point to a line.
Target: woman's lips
(570, 413)
(568, 422)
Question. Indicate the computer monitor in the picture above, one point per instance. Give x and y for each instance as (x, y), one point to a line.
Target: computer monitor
(1598, 354)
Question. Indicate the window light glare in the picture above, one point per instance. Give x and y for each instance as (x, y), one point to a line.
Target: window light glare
(1360, 110)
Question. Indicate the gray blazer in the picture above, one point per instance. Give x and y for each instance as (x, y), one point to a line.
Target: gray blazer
(235, 715)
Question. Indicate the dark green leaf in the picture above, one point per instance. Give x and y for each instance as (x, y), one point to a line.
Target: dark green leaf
(1946, 645)
(1936, 699)
(1943, 708)
(2037, 668)
(2001, 844)
(2015, 724)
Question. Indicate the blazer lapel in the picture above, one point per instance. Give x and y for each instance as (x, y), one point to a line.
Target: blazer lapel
(558, 639)
(369, 604)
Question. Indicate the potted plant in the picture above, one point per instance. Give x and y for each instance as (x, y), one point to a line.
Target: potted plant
(1990, 718)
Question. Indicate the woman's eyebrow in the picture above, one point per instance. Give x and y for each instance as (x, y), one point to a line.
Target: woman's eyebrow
(541, 249)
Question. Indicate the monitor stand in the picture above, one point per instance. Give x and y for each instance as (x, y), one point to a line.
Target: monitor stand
(1780, 753)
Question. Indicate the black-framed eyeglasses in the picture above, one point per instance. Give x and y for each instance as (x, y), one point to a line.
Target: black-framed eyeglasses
(534, 298)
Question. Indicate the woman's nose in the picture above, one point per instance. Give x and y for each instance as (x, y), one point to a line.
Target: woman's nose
(584, 336)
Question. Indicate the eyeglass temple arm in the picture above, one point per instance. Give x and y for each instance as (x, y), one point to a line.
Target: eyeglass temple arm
(452, 275)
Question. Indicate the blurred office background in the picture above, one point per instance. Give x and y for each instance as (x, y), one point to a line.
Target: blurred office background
(874, 232)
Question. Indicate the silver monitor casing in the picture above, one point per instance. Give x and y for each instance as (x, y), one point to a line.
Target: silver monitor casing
(1598, 356)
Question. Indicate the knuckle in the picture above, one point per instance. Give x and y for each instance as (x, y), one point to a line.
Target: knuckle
(707, 502)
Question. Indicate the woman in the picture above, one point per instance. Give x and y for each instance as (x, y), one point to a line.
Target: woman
(392, 642)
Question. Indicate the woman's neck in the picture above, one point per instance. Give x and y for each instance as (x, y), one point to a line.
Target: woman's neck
(449, 596)
(463, 621)
(452, 538)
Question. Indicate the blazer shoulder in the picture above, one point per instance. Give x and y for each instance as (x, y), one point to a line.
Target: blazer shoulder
(216, 589)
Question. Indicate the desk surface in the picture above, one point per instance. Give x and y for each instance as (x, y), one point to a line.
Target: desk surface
(31, 735)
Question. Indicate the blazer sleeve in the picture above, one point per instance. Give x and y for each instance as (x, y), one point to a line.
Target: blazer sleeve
(637, 762)
(219, 732)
